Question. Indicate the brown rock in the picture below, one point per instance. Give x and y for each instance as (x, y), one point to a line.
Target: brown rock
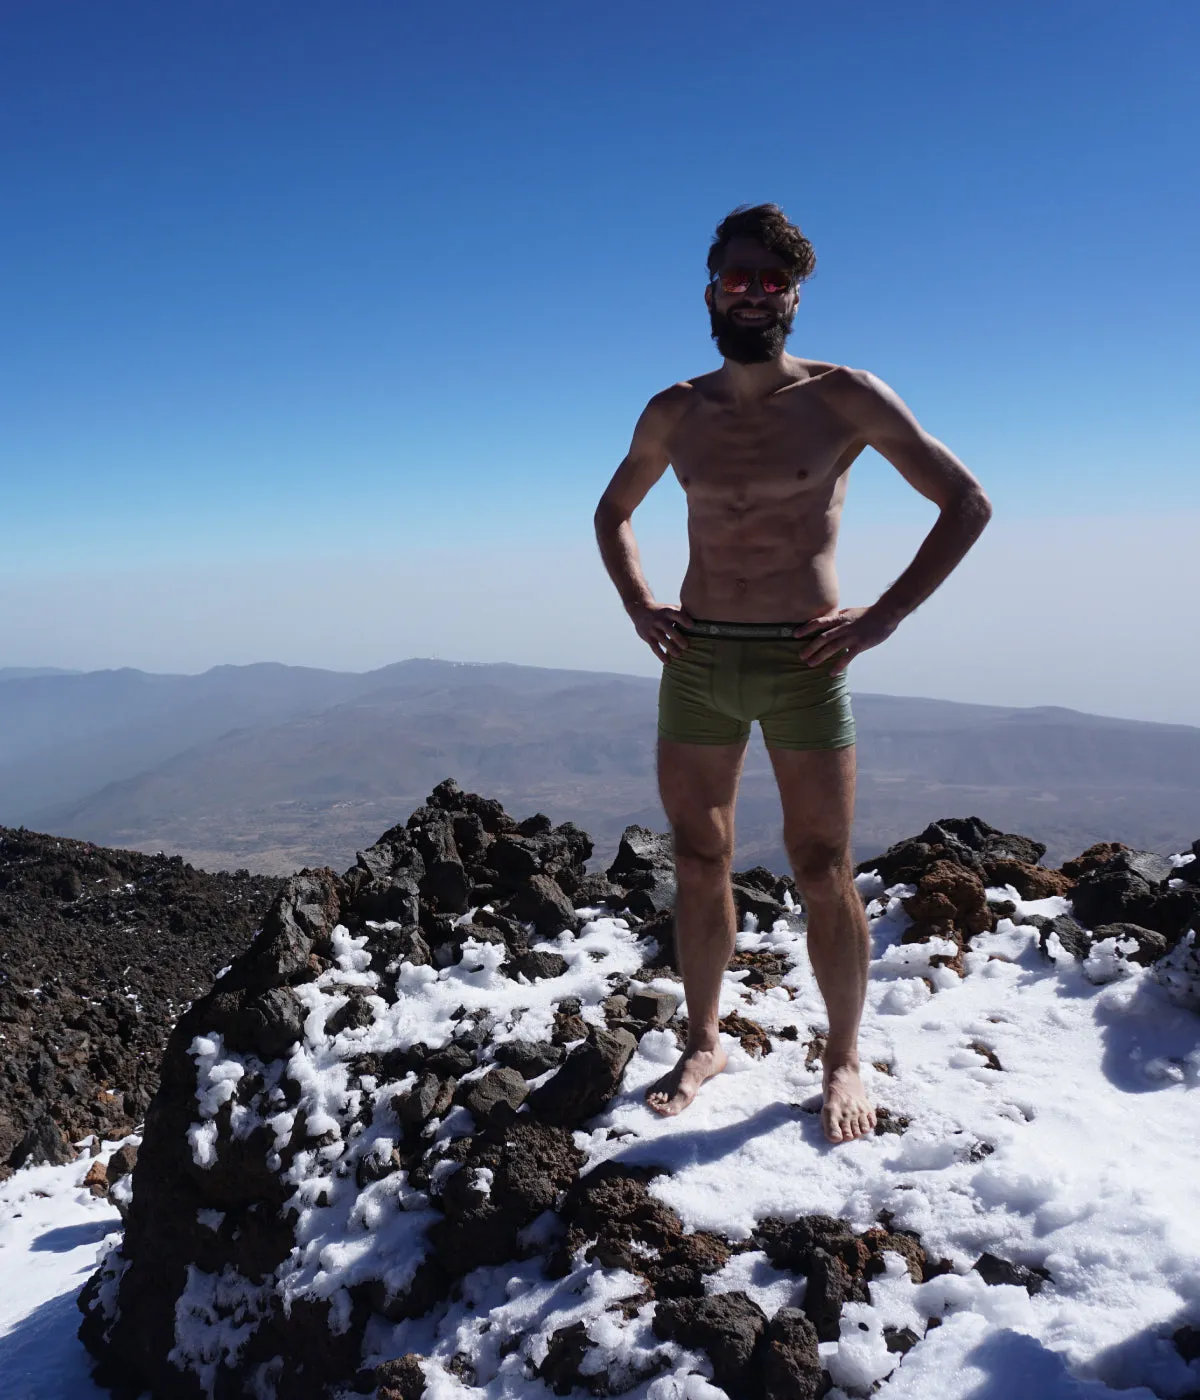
(96, 1180)
(791, 1361)
(1029, 881)
(122, 1162)
(755, 1040)
(1093, 858)
(952, 898)
(402, 1379)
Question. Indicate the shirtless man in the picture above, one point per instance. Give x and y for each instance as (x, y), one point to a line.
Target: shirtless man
(762, 448)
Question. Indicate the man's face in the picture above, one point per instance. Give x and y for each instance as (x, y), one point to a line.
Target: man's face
(750, 327)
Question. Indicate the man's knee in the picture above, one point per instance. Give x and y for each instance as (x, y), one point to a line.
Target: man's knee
(703, 849)
(821, 868)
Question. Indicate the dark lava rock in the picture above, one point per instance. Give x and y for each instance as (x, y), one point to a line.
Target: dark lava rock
(541, 902)
(641, 854)
(651, 1007)
(900, 1339)
(588, 1078)
(1150, 945)
(429, 1097)
(791, 1361)
(1190, 873)
(531, 1164)
(537, 964)
(447, 886)
(728, 1326)
(598, 891)
(529, 1058)
(830, 1286)
(748, 899)
(451, 1059)
(560, 1369)
(99, 952)
(1071, 934)
(653, 896)
(44, 1143)
(402, 1379)
(612, 1217)
(1114, 893)
(836, 1262)
(1187, 1342)
(994, 1270)
(494, 1099)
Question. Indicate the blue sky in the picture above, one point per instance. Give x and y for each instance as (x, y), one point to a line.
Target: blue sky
(287, 280)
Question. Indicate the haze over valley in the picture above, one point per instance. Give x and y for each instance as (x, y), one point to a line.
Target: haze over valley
(272, 767)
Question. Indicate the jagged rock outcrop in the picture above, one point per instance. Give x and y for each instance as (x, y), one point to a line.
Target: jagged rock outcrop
(364, 1108)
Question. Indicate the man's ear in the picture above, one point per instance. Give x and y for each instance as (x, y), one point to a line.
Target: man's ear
(708, 296)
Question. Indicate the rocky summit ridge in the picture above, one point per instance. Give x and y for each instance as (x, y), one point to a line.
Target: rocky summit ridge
(390, 1089)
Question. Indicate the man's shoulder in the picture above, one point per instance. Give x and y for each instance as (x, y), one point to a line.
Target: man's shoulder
(843, 379)
(857, 394)
(669, 405)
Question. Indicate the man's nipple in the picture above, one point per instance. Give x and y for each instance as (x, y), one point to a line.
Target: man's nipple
(742, 585)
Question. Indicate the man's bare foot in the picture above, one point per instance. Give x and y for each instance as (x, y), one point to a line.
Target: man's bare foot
(673, 1092)
(847, 1113)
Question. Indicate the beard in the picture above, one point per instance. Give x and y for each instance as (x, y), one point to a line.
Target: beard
(750, 345)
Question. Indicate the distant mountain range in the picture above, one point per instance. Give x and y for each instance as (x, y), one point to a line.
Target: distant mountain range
(272, 767)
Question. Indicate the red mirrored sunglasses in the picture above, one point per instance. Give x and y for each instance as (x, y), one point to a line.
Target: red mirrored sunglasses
(735, 281)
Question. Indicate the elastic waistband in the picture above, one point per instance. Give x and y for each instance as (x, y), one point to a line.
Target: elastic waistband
(743, 631)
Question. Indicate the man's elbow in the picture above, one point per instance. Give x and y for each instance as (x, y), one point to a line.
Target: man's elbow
(609, 517)
(972, 506)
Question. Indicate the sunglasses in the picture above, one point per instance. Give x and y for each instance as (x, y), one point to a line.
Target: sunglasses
(735, 281)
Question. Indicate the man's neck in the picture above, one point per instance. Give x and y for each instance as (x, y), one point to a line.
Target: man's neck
(746, 383)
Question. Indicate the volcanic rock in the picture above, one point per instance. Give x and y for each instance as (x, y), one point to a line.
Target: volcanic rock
(530, 1058)
(728, 1326)
(588, 1078)
(541, 902)
(494, 1099)
(791, 1361)
(1150, 945)
(1115, 892)
(652, 1008)
(1072, 935)
(994, 1270)
(99, 950)
(1189, 873)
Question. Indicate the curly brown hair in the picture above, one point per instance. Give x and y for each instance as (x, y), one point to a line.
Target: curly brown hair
(769, 225)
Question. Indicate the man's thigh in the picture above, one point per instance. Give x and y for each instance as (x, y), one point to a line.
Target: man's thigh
(698, 784)
(816, 787)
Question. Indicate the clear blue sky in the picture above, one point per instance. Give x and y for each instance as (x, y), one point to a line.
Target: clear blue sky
(289, 278)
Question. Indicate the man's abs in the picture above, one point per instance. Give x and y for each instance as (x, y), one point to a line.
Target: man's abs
(760, 575)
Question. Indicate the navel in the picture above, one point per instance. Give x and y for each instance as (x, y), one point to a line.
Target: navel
(742, 585)
(800, 475)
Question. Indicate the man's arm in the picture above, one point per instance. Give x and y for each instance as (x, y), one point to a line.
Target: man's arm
(887, 424)
(646, 461)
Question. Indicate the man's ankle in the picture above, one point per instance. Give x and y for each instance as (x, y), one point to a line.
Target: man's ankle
(701, 1042)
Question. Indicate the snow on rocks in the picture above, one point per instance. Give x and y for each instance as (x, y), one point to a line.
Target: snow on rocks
(402, 1145)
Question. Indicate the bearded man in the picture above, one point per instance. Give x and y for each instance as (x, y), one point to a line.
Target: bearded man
(763, 447)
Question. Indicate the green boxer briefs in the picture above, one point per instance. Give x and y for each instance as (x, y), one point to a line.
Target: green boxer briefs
(722, 682)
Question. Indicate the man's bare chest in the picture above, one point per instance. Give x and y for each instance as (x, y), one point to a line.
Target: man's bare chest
(777, 448)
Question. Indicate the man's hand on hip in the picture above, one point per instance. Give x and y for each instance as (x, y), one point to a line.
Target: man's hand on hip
(838, 637)
(657, 625)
